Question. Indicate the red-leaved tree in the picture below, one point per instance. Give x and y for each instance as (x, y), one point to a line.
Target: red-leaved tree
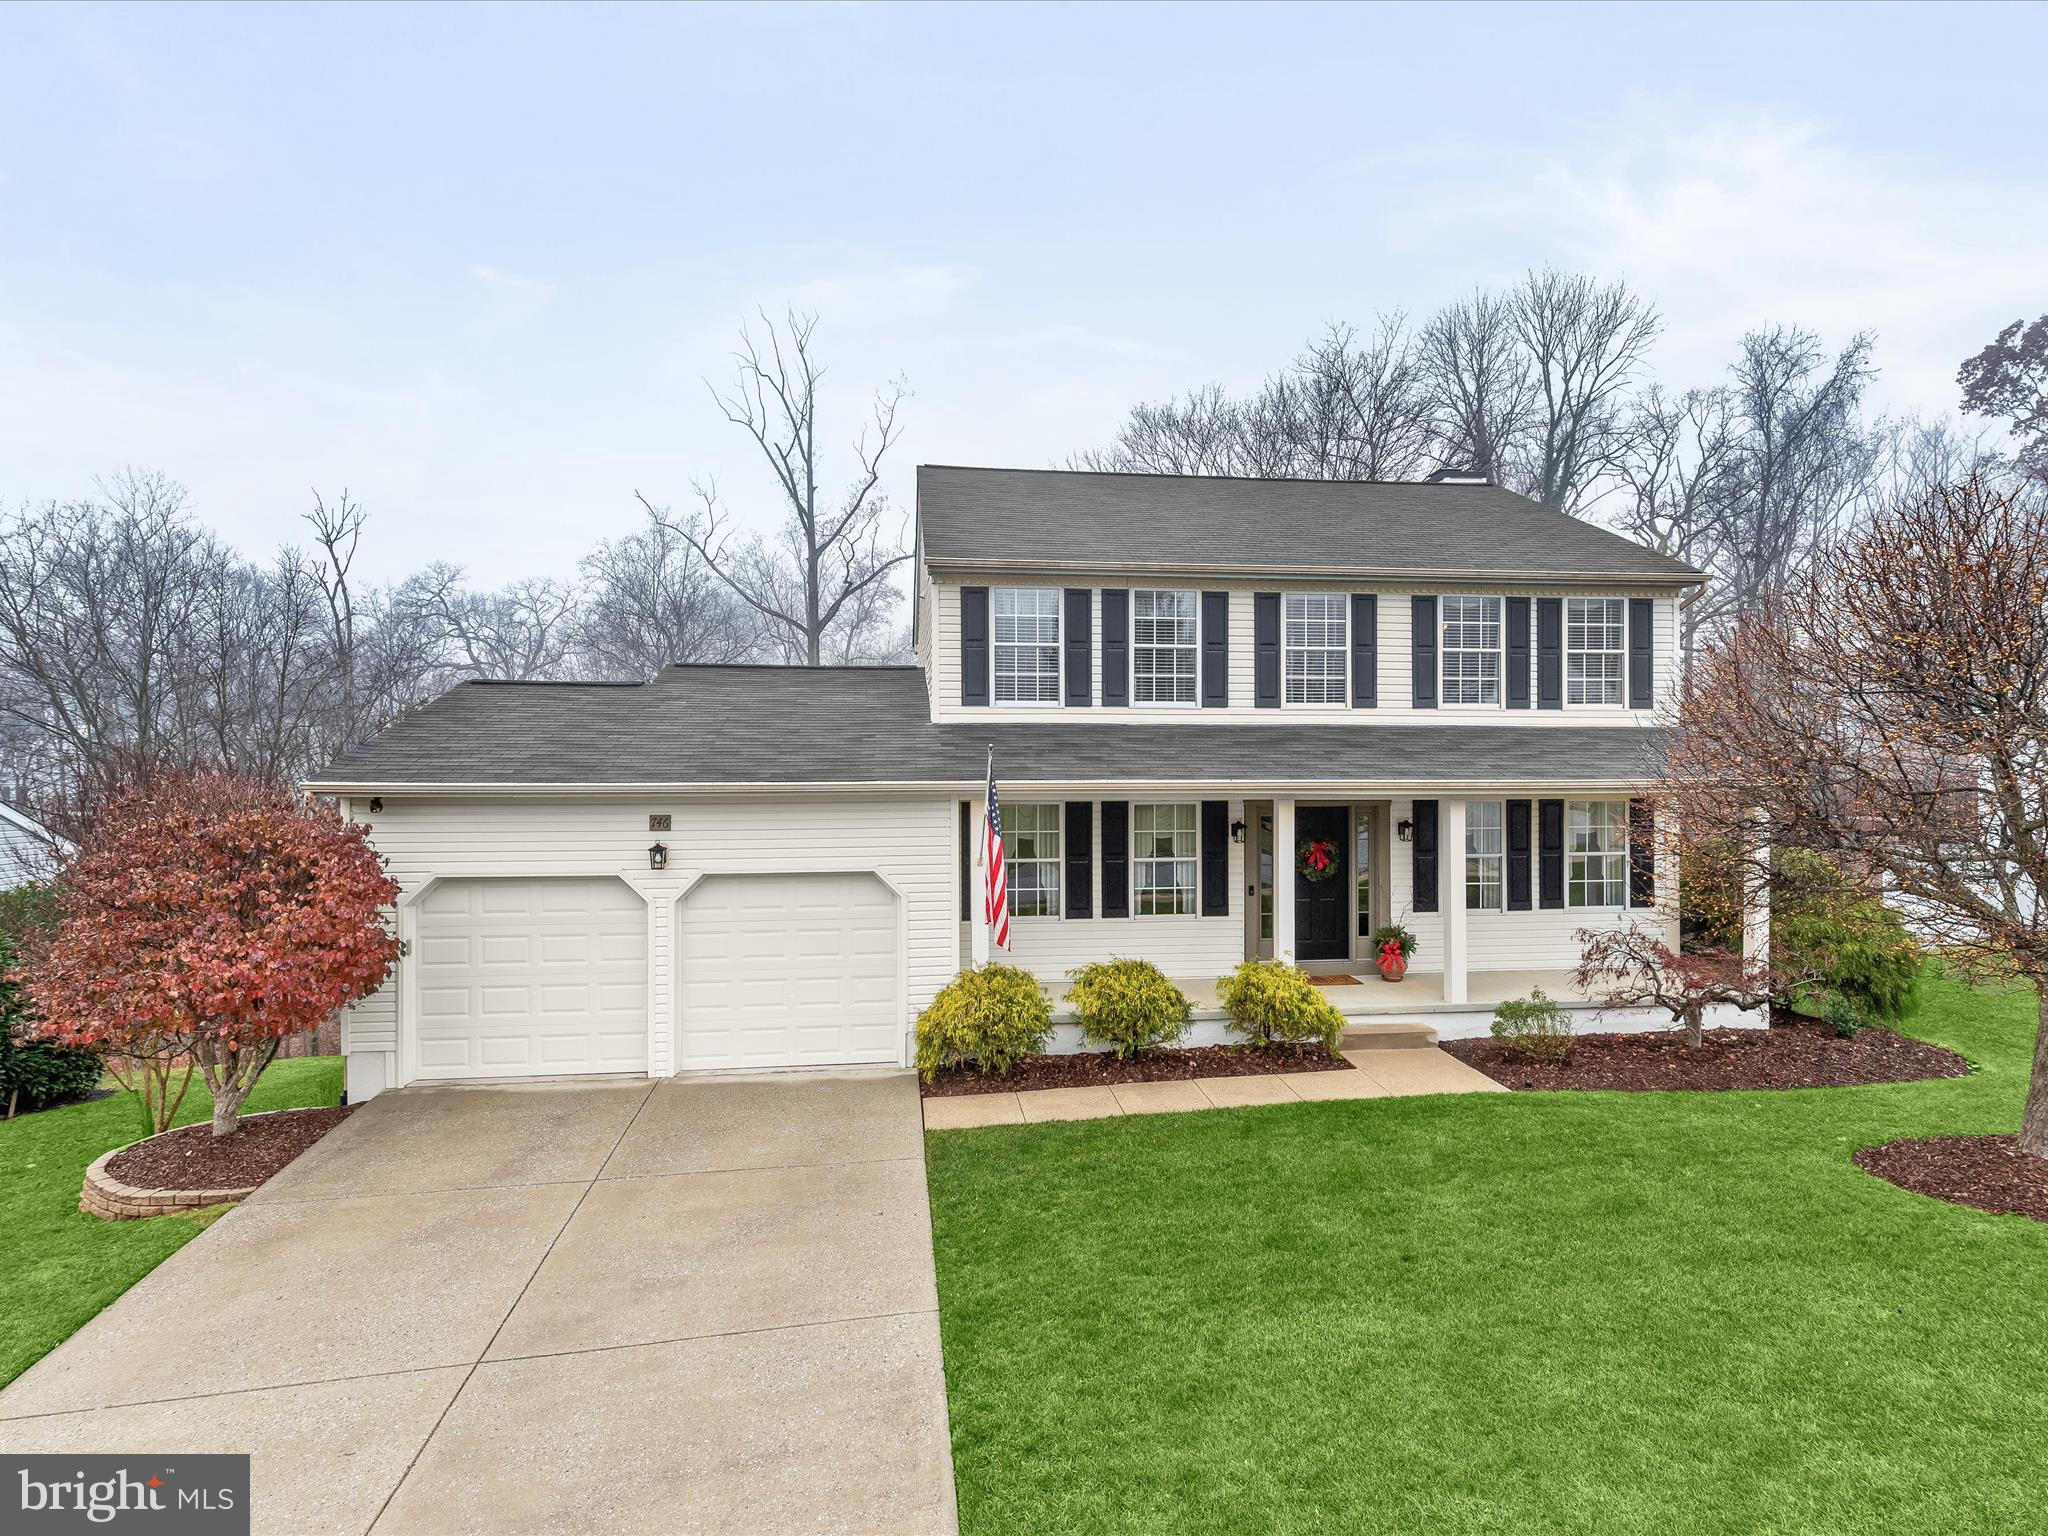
(1631, 967)
(203, 919)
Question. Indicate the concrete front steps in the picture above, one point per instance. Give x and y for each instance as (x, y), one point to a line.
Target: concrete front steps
(1390, 1035)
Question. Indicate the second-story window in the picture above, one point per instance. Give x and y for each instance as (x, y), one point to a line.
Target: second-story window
(1471, 650)
(1595, 650)
(1163, 639)
(1316, 646)
(1027, 645)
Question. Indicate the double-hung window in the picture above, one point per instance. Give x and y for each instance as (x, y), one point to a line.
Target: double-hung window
(1027, 645)
(1471, 650)
(1031, 859)
(1163, 859)
(1596, 853)
(1316, 645)
(1595, 650)
(1485, 857)
(1164, 631)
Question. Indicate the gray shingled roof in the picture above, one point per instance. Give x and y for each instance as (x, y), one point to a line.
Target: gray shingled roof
(1044, 519)
(871, 725)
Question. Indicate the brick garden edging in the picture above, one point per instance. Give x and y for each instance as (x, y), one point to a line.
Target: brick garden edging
(109, 1199)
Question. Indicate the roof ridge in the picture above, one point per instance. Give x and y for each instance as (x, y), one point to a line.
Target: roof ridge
(1157, 474)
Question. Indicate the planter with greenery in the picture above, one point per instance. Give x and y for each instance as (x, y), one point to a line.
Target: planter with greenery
(1400, 935)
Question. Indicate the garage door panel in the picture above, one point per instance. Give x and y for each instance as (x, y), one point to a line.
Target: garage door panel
(788, 970)
(532, 977)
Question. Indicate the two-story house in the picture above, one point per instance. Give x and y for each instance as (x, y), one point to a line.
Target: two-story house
(1229, 718)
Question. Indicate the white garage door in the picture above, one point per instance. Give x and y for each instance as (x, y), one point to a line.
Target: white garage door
(532, 978)
(788, 971)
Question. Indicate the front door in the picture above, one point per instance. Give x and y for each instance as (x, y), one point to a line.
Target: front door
(1322, 906)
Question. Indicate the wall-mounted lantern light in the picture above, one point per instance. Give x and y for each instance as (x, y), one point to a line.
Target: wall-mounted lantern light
(1237, 831)
(376, 805)
(657, 856)
(1405, 830)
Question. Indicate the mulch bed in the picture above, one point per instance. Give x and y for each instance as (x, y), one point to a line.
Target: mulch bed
(1988, 1172)
(191, 1157)
(1793, 1053)
(1099, 1069)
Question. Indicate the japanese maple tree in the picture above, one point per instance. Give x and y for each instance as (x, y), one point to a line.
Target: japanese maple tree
(1631, 967)
(204, 918)
(1890, 712)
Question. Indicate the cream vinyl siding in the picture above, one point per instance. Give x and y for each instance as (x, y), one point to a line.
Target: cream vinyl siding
(1395, 685)
(908, 841)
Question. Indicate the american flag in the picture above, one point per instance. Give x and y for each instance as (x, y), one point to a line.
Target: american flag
(995, 893)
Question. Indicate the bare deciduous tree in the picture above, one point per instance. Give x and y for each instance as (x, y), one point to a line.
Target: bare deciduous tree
(650, 599)
(1480, 384)
(832, 559)
(1585, 341)
(522, 633)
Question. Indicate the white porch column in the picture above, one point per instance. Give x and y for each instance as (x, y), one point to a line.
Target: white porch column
(1450, 893)
(1283, 881)
(977, 896)
(1756, 899)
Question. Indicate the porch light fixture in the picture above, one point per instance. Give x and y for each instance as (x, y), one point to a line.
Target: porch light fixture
(1237, 831)
(657, 856)
(1405, 830)
(376, 805)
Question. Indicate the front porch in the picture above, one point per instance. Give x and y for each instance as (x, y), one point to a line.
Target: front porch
(1417, 992)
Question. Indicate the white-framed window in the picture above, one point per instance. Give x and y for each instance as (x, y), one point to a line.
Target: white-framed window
(1596, 853)
(1471, 637)
(1031, 859)
(1027, 645)
(1163, 852)
(1165, 636)
(1595, 649)
(1315, 647)
(1486, 861)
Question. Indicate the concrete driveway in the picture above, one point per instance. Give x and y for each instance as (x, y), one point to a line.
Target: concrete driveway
(679, 1306)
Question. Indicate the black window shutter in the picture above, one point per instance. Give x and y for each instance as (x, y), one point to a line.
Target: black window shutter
(1266, 650)
(1424, 857)
(1116, 645)
(1642, 854)
(1080, 858)
(1215, 858)
(966, 859)
(974, 645)
(1365, 650)
(1550, 653)
(1215, 650)
(1422, 645)
(1518, 652)
(1076, 635)
(1116, 858)
(1518, 855)
(1639, 690)
(1549, 854)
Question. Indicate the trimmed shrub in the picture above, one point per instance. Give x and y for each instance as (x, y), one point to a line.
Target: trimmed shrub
(1129, 1006)
(1270, 1000)
(1846, 938)
(33, 1075)
(1845, 1014)
(1533, 1027)
(993, 1017)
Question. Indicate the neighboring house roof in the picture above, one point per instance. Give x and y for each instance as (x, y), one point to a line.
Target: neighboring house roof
(755, 725)
(1054, 519)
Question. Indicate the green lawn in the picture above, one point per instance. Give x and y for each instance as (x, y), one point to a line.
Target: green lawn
(1665, 1313)
(57, 1266)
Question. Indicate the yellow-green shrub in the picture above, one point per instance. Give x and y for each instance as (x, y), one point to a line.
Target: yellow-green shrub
(993, 1017)
(1128, 1005)
(1272, 1000)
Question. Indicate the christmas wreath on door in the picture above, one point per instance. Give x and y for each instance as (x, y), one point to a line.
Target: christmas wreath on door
(1316, 858)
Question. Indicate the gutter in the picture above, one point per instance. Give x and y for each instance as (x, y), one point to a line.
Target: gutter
(1440, 574)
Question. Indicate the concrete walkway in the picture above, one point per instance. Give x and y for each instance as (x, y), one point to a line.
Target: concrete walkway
(1386, 1072)
(661, 1307)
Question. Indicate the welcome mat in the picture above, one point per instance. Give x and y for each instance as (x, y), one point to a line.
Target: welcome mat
(1334, 981)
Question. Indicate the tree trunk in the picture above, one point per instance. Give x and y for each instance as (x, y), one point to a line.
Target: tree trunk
(1694, 1035)
(227, 1104)
(2034, 1118)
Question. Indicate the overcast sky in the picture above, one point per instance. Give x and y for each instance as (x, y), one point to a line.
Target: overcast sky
(473, 263)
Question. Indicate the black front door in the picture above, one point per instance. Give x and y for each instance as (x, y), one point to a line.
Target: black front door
(1322, 908)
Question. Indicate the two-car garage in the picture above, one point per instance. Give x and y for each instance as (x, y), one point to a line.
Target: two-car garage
(533, 977)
